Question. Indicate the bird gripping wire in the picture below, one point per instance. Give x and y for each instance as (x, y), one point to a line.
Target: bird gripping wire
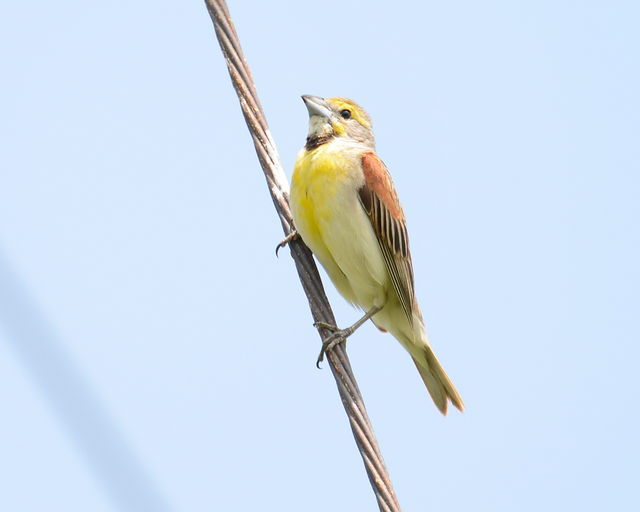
(320, 309)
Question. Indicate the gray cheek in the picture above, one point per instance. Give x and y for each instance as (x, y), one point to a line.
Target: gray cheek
(360, 133)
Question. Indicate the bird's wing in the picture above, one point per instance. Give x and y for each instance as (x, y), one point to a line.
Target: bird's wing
(380, 202)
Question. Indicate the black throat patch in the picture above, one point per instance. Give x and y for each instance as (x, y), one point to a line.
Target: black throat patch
(317, 140)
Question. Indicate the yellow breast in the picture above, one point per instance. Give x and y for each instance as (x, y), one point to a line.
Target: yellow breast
(331, 221)
(322, 180)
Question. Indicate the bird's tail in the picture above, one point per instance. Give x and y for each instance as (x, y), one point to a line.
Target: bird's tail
(436, 379)
(413, 337)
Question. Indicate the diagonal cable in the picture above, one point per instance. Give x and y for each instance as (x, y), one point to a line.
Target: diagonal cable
(320, 309)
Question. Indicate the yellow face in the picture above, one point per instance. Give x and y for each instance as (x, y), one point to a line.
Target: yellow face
(347, 110)
(337, 118)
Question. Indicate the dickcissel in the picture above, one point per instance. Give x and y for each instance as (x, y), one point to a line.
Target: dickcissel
(346, 210)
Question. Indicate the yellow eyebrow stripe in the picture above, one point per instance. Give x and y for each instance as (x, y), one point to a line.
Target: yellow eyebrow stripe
(356, 112)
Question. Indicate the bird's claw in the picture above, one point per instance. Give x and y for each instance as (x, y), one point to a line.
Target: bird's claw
(327, 326)
(338, 336)
(285, 241)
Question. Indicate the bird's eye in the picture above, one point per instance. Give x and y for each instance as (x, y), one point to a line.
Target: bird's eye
(346, 114)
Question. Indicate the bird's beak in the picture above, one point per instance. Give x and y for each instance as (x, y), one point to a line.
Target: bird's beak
(316, 106)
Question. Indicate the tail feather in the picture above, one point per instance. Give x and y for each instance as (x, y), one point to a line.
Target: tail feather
(437, 381)
(413, 337)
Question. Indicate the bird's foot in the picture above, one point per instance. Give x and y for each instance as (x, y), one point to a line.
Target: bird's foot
(291, 236)
(336, 337)
(340, 335)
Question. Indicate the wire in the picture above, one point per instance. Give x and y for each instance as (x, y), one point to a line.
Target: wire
(320, 309)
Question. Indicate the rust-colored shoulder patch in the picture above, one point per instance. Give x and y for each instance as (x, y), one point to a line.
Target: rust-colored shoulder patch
(380, 202)
(378, 181)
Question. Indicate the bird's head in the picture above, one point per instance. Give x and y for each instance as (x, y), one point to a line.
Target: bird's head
(337, 118)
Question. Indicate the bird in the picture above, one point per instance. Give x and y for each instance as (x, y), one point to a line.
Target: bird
(346, 210)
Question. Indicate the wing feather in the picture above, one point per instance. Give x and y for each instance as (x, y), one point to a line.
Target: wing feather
(380, 202)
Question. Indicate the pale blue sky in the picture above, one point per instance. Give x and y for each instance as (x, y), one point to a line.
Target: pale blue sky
(155, 355)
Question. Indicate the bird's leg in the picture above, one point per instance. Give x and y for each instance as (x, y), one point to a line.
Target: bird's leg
(291, 236)
(340, 335)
